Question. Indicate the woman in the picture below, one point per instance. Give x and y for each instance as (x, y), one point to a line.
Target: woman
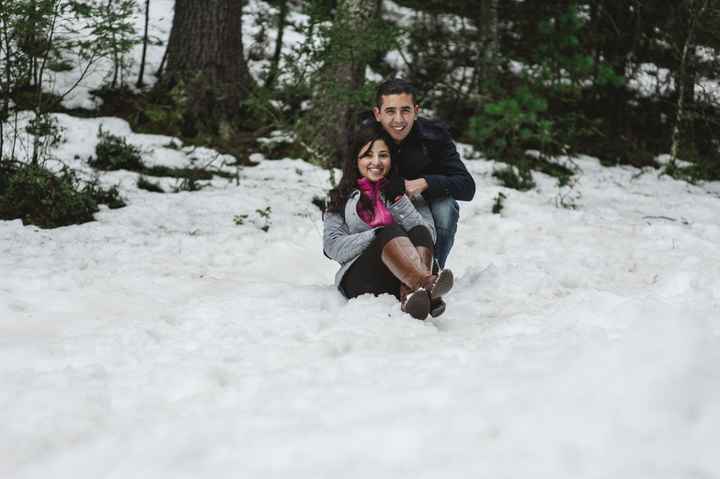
(383, 242)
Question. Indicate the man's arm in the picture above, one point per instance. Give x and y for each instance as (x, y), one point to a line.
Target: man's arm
(456, 181)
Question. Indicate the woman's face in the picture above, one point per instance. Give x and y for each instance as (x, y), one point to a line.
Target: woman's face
(374, 161)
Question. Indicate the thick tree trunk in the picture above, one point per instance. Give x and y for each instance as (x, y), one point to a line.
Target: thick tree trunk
(205, 54)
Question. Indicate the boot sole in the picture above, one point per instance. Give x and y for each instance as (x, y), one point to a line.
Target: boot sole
(438, 309)
(417, 304)
(443, 284)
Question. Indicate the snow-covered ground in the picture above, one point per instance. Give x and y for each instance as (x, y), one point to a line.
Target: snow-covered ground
(165, 340)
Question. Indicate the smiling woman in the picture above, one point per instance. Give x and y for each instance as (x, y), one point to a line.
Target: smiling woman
(382, 240)
(374, 160)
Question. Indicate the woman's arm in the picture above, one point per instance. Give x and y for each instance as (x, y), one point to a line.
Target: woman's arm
(341, 245)
(407, 216)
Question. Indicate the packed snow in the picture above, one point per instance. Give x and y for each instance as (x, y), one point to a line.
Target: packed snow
(199, 334)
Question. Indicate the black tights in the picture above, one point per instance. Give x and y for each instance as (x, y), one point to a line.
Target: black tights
(368, 274)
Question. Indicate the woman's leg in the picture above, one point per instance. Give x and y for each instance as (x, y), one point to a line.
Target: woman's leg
(368, 274)
(420, 237)
(390, 261)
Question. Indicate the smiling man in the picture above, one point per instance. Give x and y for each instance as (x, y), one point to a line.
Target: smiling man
(427, 159)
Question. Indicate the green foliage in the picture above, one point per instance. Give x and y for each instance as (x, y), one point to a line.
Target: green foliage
(499, 203)
(164, 113)
(449, 57)
(265, 215)
(320, 202)
(110, 196)
(516, 178)
(46, 136)
(541, 106)
(329, 70)
(60, 65)
(561, 172)
(144, 184)
(115, 153)
(189, 183)
(239, 220)
(189, 178)
(695, 172)
(112, 33)
(174, 172)
(568, 195)
(40, 197)
(263, 221)
(510, 125)
(38, 32)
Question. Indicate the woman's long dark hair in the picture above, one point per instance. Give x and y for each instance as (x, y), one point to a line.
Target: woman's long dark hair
(368, 132)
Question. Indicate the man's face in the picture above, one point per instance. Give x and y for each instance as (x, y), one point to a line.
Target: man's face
(397, 115)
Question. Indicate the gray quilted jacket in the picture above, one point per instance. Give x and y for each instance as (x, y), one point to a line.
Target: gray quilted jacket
(344, 239)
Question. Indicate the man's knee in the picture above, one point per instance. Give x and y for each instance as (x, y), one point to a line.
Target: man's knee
(446, 213)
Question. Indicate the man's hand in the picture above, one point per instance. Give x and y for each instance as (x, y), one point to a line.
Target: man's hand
(414, 188)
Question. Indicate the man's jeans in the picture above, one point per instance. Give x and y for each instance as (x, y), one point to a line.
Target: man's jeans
(446, 212)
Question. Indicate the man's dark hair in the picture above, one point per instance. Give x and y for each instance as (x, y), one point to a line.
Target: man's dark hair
(395, 86)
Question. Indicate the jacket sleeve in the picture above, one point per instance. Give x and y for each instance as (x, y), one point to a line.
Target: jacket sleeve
(456, 182)
(407, 216)
(341, 245)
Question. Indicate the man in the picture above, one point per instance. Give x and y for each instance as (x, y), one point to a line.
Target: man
(427, 158)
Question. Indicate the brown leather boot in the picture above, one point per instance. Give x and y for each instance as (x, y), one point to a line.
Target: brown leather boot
(403, 261)
(442, 285)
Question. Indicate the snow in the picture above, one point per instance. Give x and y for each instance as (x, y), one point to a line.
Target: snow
(164, 340)
(167, 340)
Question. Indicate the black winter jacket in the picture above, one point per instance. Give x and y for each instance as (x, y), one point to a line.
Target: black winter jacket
(429, 152)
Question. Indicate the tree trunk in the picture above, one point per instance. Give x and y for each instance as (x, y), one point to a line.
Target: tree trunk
(205, 58)
(684, 77)
(618, 21)
(161, 68)
(275, 62)
(143, 57)
(488, 26)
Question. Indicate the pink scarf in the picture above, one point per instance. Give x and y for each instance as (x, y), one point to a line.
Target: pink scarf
(380, 216)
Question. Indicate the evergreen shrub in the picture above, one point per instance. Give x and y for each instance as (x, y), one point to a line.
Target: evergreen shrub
(110, 197)
(40, 197)
(147, 185)
(498, 203)
(509, 126)
(520, 180)
(115, 153)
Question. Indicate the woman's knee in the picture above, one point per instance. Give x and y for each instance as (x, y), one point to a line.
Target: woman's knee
(386, 233)
(420, 236)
